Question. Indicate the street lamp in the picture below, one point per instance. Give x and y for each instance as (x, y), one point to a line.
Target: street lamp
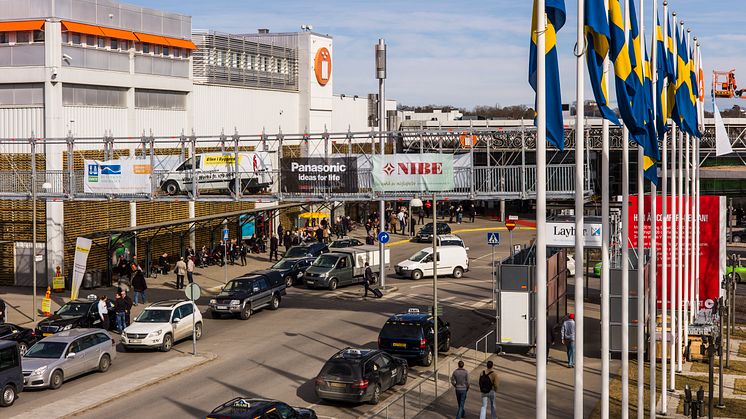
(36, 258)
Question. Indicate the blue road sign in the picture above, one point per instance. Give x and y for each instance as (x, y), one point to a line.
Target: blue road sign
(383, 237)
(225, 234)
(493, 239)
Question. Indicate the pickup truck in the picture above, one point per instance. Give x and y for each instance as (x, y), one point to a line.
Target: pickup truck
(343, 267)
(248, 293)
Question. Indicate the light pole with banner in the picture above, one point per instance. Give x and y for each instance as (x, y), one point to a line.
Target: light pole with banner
(193, 292)
(226, 235)
(493, 239)
(380, 57)
(510, 225)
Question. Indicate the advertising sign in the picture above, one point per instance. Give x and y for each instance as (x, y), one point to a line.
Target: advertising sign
(413, 173)
(117, 176)
(563, 234)
(712, 227)
(319, 175)
(82, 248)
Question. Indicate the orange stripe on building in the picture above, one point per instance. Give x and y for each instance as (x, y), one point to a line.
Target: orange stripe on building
(26, 25)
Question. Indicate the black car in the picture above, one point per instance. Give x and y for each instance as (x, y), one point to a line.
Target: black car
(25, 337)
(74, 314)
(249, 293)
(292, 269)
(360, 375)
(426, 232)
(11, 375)
(411, 336)
(342, 243)
(307, 250)
(246, 408)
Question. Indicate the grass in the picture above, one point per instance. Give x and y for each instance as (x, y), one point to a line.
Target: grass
(736, 367)
(742, 350)
(615, 392)
(740, 386)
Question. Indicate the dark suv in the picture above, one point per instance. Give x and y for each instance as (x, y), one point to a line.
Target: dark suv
(313, 249)
(360, 375)
(411, 336)
(11, 375)
(426, 232)
(292, 269)
(249, 293)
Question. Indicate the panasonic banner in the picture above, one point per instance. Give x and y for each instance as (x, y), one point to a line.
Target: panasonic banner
(317, 175)
(413, 173)
(117, 177)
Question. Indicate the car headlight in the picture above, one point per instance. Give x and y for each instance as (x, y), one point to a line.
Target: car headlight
(156, 333)
(68, 327)
(213, 301)
(39, 371)
(235, 302)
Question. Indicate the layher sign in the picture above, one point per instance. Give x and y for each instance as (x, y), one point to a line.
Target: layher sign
(413, 172)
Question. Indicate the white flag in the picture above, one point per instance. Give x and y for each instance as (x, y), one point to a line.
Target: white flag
(722, 142)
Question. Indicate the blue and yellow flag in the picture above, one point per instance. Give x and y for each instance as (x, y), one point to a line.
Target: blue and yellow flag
(627, 67)
(556, 16)
(597, 39)
(670, 70)
(695, 93)
(684, 111)
(661, 112)
(649, 139)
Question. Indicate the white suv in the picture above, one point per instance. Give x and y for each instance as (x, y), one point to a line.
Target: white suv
(163, 323)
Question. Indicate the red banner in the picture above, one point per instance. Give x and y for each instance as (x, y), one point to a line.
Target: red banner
(711, 243)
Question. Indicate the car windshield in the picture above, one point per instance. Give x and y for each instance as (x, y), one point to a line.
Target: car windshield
(297, 251)
(340, 369)
(154, 316)
(49, 350)
(452, 242)
(340, 243)
(284, 264)
(325, 261)
(401, 331)
(241, 284)
(419, 256)
(73, 309)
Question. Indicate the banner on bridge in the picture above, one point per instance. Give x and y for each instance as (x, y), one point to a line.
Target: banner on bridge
(114, 177)
(316, 175)
(413, 173)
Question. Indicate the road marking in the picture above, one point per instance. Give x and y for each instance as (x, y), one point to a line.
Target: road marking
(441, 284)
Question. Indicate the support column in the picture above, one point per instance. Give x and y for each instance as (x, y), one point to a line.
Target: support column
(192, 233)
(133, 223)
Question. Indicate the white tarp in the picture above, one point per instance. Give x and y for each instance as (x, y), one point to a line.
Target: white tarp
(413, 172)
(132, 176)
(82, 248)
(722, 142)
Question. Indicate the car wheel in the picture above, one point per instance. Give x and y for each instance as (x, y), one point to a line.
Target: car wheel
(198, 331)
(23, 346)
(275, 303)
(9, 396)
(168, 342)
(428, 359)
(376, 395)
(171, 187)
(333, 284)
(55, 381)
(446, 344)
(289, 281)
(404, 376)
(417, 275)
(245, 312)
(104, 363)
(458, 272)
(737, 239)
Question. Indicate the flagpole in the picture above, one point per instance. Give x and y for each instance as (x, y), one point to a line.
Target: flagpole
(700, 113)
(625, 248)
(664, 215)
(677, 138)
(641, 254)
(605, 175)
(541, 214)
(653, 219)
(687, 242)
(579, 213)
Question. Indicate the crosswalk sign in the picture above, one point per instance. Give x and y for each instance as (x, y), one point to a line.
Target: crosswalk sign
(493, 239)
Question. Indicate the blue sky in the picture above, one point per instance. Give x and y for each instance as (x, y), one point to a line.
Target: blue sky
(462, 53)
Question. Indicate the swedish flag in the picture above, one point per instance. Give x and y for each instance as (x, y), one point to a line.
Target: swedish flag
(556, 16)
(684, 111)
(597, 39)
(661, 113)
(627, 67)
(648, 139)
(670, 70)
(694, 94)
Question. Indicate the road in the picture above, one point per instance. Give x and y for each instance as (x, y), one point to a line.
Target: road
(277, 354)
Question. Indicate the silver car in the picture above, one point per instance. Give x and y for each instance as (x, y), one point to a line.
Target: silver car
(64, 355)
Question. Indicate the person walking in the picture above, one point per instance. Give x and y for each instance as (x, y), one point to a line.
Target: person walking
(273, 244)
(181, 270)
(103, 312)
(139, 285)
(402, 217)
(127, 308)
(190, 269)
(472, 212)
(280, 231)
(420, 215)
(460, 382)
(488, 386)
(2, 311)
(368, 278)
(120, 308)
(459, 214)
(242, 252)
(568, 339)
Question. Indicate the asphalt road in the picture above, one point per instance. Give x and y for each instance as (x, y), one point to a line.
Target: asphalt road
(277, 354)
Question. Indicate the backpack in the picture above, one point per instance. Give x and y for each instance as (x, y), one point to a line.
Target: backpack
(485, 383)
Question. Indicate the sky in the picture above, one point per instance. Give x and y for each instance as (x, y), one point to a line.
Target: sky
(461, 53)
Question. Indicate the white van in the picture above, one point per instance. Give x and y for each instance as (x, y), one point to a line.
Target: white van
(451, 240)
(452, 260)
(218, 171)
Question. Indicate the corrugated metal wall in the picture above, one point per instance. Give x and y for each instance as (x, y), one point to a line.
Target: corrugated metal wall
(86, 121)
(162, 122)
(20, 123)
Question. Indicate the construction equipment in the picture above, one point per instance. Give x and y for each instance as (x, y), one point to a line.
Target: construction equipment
(724, 85)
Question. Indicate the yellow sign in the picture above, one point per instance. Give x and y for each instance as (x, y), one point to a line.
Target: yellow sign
(221, 159)
(46, 305)
(58, 283)
(141, 169)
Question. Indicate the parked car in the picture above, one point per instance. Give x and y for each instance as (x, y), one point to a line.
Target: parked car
(360, 375)
(292, 269)
(67, 354)
(740, 271)
(307, 250)
(74, 314)
(411, 335)
(344, 267)
(162, 324)
(25, 337)
(249, 293)
(11, 375)
(218, 171)
(249, 408)
(342, 243)
(426, 232)
(452, 260)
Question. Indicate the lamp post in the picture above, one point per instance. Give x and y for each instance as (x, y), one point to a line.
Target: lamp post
(35, 258)
(380, 51)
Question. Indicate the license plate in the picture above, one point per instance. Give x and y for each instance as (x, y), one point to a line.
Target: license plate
(310, 282)
(399, 345)
(135, 340)
(338, 385)
(222, 308)
(47, 334)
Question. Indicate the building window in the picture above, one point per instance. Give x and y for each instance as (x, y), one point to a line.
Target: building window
(38, 36)
(90, 40)
(157, 50)
(114, 43)
(165, 51)
(85, 95)
(4, 38)
(146, 48)
(124, 45)
(177, 52)
(26, 94)
(101, 42)
(159, 99)
(22, 37)
(76, 38)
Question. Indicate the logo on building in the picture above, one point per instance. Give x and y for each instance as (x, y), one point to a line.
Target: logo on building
(93, 172)
(111, 169)
(322, 66)
(388, 169)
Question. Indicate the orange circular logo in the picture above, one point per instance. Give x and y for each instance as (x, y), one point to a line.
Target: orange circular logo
(322, 66)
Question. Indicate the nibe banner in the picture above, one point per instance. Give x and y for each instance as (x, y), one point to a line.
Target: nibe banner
(117, 176)
(317, 175)
(413, 173)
